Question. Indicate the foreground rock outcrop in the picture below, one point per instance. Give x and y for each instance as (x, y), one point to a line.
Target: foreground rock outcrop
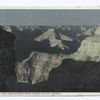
(7, 60)
(36, 68)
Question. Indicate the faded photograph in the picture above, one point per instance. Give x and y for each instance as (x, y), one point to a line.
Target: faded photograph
(52, 57)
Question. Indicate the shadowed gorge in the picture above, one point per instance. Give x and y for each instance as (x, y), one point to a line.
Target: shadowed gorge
(74, 75)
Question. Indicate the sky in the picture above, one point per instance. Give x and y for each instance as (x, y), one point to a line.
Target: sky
(49, 17)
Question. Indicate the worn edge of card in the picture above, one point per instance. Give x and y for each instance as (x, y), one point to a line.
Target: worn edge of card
(46, 94)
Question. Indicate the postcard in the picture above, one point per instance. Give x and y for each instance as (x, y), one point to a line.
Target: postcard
(50, 51)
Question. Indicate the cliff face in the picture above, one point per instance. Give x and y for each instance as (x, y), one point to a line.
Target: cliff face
(36, 68)
(7, 60)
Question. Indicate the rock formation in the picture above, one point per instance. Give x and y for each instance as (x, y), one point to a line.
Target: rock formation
(89, 49)
(53, 41)
(36, 68)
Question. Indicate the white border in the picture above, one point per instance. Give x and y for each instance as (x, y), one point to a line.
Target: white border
(50, 7)
(49, 2)
(49, 94)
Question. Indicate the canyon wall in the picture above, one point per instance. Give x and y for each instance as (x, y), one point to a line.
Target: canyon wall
(7, 60)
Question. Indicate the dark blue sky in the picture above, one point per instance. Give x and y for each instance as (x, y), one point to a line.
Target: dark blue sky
(49, 17)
